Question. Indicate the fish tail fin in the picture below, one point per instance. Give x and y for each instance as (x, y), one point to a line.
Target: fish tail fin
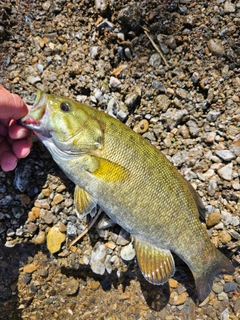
(204, 281)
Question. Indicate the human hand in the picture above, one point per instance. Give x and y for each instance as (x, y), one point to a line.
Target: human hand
(15, 140)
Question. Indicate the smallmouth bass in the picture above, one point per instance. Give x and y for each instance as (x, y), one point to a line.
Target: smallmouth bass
(134, 183)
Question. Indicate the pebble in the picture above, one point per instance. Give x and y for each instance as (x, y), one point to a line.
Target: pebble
(30, 268)
(230, 286)
(71, 287)
(226, 172)
(42, 203)
(155, 60)
(176, 299)
(141, 127)
(162, 102)
(55, 238)
(94, 285)
(22, 175)
(224, 237)
(210, 137)
(213, 219)
(217, 288)
(98, 257)
(127, 253)
(215, 46)
(229, 7)
(115, 84)
(57, 199)
(130, 17)
(40, 238)
(173, 283)
(47, 216)
(33, 79)
(222, 296)
(225, 155)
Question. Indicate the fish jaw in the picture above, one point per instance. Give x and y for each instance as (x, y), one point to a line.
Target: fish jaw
(37, 117)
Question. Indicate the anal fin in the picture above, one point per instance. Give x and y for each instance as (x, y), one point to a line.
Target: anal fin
(156, 264)
(83, 201)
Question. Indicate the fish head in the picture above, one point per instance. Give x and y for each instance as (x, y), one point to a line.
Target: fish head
(65, 124)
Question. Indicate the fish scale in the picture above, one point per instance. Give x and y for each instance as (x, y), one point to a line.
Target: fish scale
(134, 183)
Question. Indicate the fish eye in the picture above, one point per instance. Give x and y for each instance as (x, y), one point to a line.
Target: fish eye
(65, 107)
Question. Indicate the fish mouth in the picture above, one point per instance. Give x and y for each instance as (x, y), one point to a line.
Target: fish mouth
(35, 118)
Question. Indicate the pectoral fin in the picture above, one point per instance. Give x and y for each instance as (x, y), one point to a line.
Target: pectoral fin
(83, 201)
(109, 171)
(156, 264)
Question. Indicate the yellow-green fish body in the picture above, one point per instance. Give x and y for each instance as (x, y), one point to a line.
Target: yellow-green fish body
(134, 184)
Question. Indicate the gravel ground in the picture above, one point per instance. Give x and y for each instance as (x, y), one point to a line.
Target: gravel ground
(169, 70)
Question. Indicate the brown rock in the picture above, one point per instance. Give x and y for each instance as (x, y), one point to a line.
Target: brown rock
(172, 283)
(95, 285)
(30, 268)
(213, 219)
(224, 237)
(176, 299)
(57, 199)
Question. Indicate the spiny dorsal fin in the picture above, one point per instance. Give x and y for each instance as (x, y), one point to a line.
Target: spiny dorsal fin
(157, 265)
(83, 201)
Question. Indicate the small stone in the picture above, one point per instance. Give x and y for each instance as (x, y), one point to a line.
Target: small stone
(172, 283)
(210, 137)
(23, 174)
(177, 300)
(71, 287)
(227, 277)
(162, 102)
(33, 79)
(46, 192)
(30, 268)
(46, 5)
(229, 7)
(217, 288)
(130, 17)
(33, 214)
(128, 252)
(213, 219)
(229, 286)
(155, 60)
(95, 285)
(141, 127)
(215, 46)
(225, 155)
(98, 257)
(57, 199)
(234, 234)
(124, 296)
(110, 244)
(40, 238)
(42, 203)
(222, 296)
(184, 131)
(213, 115)
(61, 188)
(226, 172)
(55, 238)
(47, 216)
(224, 237)
(193, 128)
(115, 84)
